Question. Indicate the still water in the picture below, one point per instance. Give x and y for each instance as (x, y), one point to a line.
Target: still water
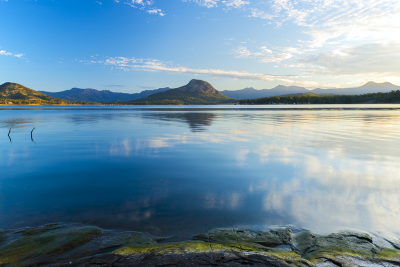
(179, 170)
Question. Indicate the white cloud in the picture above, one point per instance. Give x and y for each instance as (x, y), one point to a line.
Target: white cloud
(344, 19)
(154, 65)
(143, 5)
(265, 55)
(373, 58)
(229, 4)
(235, 3)
(5, 53)
(205, 3)
(156, 11)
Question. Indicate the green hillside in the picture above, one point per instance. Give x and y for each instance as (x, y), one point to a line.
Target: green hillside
(14, 93)
(196, 92)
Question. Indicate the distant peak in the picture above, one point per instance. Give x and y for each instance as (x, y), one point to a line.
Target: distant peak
(371, 83)
(198, 86)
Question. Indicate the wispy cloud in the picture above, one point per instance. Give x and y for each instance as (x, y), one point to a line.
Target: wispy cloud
(264, 55)
(156, 11)
(229, 4)
(146, 5)
(373, 58)
(325, 20)
(154, 65)
(5, 53)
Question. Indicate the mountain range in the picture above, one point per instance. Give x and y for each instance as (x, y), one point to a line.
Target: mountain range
(251, 93)
(93, 95)
(105, 96)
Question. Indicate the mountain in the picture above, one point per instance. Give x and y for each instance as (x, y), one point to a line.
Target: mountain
(248, 93)
(18, 94)
(196, 92)
(93, 95)
(251, 93)
(369, 87)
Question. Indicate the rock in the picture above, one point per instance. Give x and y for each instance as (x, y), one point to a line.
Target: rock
(302, 241)
(28, 231)
(394, 243)
(356, 233)
(37, 246)
(67, 244)
(223, 259)
(3, 237)
(241, 238)
(336, 245)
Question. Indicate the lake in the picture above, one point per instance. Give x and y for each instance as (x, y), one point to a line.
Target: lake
(176, 171)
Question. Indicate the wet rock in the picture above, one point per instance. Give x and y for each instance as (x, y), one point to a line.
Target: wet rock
(38, 246)
(226, 259)
(337, 245)
(351, 261)
(28, 231)
(302, 241)
(240, 238)
(394, 243)
(357, 234)
(3, 237)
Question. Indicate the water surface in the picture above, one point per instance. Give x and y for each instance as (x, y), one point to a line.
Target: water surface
(184, 170)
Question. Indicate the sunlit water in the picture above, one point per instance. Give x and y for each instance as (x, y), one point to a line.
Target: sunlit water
(184, 170)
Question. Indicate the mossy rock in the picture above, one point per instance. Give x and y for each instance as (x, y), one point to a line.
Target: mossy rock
(169, 248)
(4, 237)
(31, 249)
(302, 241)
(28, 231)
(239, 238)
(350, 243)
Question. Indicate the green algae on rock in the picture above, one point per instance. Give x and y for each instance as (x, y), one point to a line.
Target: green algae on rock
(32, 248)
(65, 244)
(55, 242)
(260, 240)
(338, 245)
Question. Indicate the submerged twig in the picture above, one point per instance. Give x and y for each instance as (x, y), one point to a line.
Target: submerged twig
(9, 135)
(32, 133)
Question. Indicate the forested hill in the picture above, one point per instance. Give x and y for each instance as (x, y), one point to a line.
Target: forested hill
(391, 97)
(14, 93)
(93, 95)
(196, 92)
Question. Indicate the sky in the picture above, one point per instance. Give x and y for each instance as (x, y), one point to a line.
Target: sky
(135, 45)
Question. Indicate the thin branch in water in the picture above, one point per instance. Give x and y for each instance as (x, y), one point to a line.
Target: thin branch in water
(32, 133)
(9, 135)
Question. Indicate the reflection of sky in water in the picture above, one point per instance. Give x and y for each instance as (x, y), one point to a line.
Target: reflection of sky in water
(172, 171)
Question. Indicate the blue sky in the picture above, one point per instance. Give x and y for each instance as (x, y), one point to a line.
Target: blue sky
(133, 45)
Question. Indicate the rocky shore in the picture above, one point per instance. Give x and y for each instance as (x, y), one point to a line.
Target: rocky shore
(62, 244)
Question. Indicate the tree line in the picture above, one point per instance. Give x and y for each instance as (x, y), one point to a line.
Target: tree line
(6, 101)
(390, 97)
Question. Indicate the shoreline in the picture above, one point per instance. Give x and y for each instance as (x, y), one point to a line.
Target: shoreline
(75, 244)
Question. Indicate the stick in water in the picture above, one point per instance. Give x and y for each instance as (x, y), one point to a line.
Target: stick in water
(32, 133)
(9, 132)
